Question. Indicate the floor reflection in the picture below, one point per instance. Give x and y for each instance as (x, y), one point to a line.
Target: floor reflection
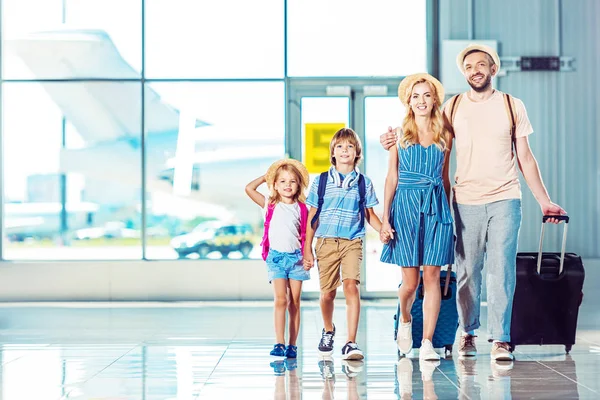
(221, 351)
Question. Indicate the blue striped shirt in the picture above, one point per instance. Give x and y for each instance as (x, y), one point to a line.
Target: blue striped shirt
(340, 216)
(420, 213)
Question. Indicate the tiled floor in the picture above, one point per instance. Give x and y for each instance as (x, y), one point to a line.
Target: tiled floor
(220, 351)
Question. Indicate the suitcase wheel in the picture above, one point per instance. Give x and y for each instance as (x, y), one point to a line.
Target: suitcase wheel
(447, 349)
(568, 348)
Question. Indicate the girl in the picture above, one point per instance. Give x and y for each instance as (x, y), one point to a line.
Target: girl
(417, 220)
(283, 241)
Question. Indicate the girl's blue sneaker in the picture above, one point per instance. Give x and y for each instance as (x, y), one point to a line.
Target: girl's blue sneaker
(291, 351)
(278, 350)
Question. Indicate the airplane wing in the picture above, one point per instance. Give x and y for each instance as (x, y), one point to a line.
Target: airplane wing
(107, 116)
(100, 111)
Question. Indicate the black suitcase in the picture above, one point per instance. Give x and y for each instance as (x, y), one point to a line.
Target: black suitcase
(547, 297)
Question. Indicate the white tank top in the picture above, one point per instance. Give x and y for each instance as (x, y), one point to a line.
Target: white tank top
(284, 230)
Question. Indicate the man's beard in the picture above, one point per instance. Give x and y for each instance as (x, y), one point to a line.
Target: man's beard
(484, 86)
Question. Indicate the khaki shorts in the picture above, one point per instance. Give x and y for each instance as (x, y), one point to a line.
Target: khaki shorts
(335, 255)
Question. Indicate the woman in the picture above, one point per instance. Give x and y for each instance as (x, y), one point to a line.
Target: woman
(417, 220)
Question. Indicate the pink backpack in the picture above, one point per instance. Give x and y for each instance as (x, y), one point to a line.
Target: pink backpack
(303, 220)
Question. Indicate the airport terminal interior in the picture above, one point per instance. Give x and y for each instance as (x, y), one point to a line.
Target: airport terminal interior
(131, 261)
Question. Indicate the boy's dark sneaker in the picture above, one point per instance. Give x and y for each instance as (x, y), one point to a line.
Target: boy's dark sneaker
(326, 368)
(351, 352)
(291, 351)
(326, 343)
(278, 350)
(278, 367)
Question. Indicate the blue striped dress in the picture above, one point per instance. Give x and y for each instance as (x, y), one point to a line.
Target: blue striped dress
(420, 214)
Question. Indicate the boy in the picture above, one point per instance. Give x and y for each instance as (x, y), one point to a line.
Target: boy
(340, 231)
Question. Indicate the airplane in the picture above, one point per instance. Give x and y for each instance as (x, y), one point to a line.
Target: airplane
(188, 166)
(184, 158)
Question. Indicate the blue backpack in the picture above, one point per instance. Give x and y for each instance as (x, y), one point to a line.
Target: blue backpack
(321, 194)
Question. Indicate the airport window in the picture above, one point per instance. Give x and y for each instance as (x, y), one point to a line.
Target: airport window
(228, 134)
(214, 39)
(71, 39)
(186, 99)
(356, 38)
(72, 170)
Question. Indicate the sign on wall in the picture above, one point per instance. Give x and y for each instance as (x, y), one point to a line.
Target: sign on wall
(316, 145)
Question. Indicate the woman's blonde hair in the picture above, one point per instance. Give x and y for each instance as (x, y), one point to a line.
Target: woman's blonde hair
(410, 132)
(346, 135)
(275, 198)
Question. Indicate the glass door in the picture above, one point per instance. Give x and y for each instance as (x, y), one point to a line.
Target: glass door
(315, 113)
(379, 113)
(320, 118)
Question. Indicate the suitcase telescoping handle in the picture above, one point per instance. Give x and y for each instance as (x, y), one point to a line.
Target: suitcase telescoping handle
(446, 283)
(545, 218)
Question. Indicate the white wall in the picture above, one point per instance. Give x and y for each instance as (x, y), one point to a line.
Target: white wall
(562, 106)
(134, 280)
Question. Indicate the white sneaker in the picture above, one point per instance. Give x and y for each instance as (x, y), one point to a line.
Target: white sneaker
(427, 352)
(404, 337)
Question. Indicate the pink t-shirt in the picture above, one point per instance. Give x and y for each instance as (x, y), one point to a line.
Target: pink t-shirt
(486, 168)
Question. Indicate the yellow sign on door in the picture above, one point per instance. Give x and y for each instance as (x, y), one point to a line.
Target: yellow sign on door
(316, 145)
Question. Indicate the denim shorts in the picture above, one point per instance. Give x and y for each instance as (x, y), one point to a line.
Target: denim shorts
(286, 266)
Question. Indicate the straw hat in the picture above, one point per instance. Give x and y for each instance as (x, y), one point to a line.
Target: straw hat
(460, 58)
(270, 175)
(405, 87)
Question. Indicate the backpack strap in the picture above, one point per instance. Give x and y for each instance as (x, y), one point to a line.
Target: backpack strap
(362, 194)
(265, 239)
(321, 195)
(303, 221)
(509, 104)
(454, 102)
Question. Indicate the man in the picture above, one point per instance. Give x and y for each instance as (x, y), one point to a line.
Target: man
(487, 196)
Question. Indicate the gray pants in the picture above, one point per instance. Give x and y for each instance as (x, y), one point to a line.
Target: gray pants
(487, 234)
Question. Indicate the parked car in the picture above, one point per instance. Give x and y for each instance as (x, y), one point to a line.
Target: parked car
(215, 236)
(110, 230)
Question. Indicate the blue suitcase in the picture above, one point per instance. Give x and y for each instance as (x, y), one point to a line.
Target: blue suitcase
(447, 324)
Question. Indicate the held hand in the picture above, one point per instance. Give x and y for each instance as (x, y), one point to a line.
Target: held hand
(308, 260)
(383, 237)
(388, 139)
(386, 233)
(552, 209)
